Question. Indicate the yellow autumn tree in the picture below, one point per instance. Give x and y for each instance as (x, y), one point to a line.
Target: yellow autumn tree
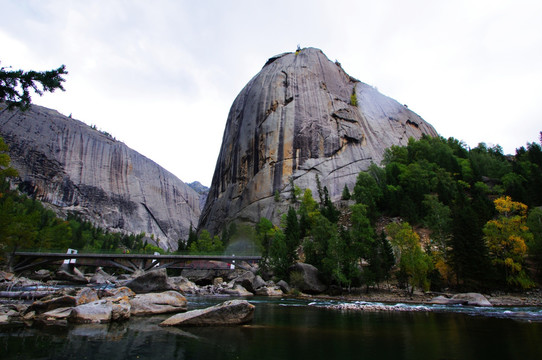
(506, 237)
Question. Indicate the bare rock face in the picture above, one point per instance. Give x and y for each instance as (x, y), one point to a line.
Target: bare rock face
(300, 116)
(75, 168)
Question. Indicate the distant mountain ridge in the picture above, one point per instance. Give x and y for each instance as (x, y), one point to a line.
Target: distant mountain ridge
(75, 168)
(202, 190)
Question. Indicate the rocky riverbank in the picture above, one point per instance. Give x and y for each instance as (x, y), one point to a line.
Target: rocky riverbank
(68, 296)
(394, 295)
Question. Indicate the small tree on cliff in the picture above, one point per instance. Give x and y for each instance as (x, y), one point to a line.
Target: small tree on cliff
(15, 85)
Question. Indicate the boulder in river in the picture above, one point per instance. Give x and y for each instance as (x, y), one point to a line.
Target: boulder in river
(308, 281)
(443, 300)
(184, 285)
(237, 290)
(249, 281)
(473, 299)
(283, 285)
(158, 303)
(101, 311)
(234, 312)
(269, 291)
(86, 295)
(116, 293)
(152, 281)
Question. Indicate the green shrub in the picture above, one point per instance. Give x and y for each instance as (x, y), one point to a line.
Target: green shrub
(353, 98)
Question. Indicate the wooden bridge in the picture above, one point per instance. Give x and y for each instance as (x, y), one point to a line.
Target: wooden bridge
(131, 262)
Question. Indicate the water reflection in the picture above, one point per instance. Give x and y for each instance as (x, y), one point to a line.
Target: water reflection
(286, 329)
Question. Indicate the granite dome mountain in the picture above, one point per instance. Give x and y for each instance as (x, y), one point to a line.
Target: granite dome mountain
(74, 168)
(300, 116)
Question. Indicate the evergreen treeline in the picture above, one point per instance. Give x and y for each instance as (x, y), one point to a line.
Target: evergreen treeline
(438, 213)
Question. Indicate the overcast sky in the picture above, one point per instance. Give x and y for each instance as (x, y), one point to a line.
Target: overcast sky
(161, 75)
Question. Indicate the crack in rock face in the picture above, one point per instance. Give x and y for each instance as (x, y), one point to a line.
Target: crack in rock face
(300, 116)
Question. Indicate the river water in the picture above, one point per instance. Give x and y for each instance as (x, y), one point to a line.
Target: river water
(295, 329)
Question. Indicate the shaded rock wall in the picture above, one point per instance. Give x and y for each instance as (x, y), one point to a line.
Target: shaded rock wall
(72, 167)
(297, 118)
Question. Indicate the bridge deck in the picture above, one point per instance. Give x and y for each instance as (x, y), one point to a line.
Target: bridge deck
(130, 262)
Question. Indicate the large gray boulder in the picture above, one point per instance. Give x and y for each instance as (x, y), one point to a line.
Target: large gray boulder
(234, 312)
(443, 300)
(237, 290)
(199, 276)
(117, 293)
(101, 311)
(158, 303)
(184, 285)
(101, 277)
(152, 281)
(75, 168)
(207, 276)
(308, 280)
(249, 281)
(269, 291)
(300, 116)
(473, 299)
(283, 285)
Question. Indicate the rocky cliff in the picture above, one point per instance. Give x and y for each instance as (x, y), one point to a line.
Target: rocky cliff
(300, 116)
(75, 168)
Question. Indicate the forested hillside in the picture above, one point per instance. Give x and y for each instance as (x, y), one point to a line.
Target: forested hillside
(446, 215)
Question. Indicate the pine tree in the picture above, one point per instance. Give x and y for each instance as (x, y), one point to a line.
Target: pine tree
(468, 253)
(291, 235)
(328, 209)
(279, 257)
(15, 85)
(320, 190)
(346, 193)
(192, 238)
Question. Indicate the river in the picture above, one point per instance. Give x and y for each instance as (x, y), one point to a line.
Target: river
(295, 329)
